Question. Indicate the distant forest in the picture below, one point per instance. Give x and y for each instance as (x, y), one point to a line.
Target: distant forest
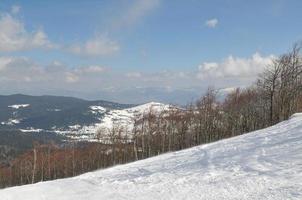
(274, 97)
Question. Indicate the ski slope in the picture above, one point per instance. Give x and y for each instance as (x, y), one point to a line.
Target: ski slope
(265, 164)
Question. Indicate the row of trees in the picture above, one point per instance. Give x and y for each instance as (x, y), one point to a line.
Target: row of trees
(275, 96)
(280, 85)
(48, 162)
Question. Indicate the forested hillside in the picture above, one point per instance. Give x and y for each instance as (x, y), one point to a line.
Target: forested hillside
(265, 164)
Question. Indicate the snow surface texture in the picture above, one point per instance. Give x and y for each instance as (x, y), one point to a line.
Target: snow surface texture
(265, 164)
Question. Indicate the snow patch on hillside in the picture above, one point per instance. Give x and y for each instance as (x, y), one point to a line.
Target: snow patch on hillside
(54, 110)
(17, 106)
(97, 109)
(153, 106)
(265, 164)
(124, 118)
(11, 122)
(31, 130)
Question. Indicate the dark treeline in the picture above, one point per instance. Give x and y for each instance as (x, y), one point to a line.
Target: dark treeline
(274, 97)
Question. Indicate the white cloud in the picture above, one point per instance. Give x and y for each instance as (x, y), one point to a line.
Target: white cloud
(20, 74)
(98, 46)
(90, 69)
(134, 75)
(4, 61)
(211, 23)
(71, 77)
(234, 67)
(102, 45)
(74, 75)
(134, 13)
(18, 69)
(15, 9)
(139, 9)
(14, 36)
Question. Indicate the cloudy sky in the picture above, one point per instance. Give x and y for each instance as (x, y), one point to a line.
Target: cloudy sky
(140, 50)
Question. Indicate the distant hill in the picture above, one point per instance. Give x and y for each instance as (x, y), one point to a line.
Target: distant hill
(67, 116)
(46, 112)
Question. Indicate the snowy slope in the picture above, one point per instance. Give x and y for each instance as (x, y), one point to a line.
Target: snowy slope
(265, 164)
(126, 116)
(121, 117)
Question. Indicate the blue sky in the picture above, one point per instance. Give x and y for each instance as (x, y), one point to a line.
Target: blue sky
(168, 46)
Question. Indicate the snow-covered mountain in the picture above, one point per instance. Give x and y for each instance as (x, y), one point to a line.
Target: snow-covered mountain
(265, 164)
(71, 117)
(121, 117)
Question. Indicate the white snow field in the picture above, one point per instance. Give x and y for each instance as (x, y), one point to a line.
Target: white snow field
(265, 164)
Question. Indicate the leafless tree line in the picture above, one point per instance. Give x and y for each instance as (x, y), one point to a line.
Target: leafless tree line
(275, 96)
(48, 162)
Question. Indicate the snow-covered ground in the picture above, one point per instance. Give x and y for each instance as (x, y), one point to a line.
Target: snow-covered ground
(123, 118)
(97, 109)
(11, 122)
(265, 164)
(126, 117)
(17, 106)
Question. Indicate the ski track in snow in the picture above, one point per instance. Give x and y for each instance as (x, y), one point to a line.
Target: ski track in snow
(265, 164)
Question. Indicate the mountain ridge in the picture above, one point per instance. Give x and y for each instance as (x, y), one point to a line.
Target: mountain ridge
(63, 115)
